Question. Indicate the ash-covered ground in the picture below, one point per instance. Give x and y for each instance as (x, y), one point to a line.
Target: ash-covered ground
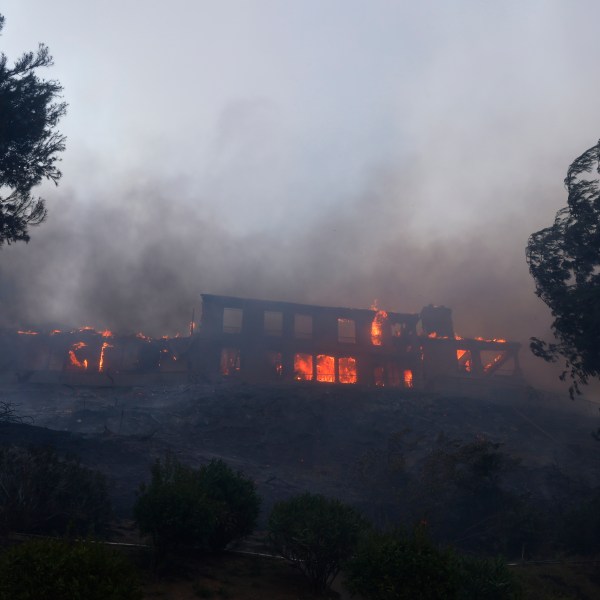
(293, 438)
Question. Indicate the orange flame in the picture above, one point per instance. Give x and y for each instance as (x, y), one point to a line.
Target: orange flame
(303, 367)
(408, 378)
(325, 368)
(28, 332)
(105, 345)
(75, 362)
(347, 368)
(377, 327)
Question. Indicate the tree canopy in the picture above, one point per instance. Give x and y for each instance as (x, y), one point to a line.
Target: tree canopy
(30, 109)
(564, 260)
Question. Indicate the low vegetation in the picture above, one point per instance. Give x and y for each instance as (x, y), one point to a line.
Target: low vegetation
(204, 508)
(67, 570)
(316, 533)
(43, 492)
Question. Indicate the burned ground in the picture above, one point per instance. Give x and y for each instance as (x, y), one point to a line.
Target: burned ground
(291, 438)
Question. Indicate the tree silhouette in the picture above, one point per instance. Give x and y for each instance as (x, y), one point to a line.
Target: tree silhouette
(29, 143)
(564, 260)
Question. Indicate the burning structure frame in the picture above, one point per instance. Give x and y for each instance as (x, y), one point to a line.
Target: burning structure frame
(262, 340)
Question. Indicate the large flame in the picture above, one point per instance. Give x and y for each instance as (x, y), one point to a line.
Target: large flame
(347, 368)
(303, 367)
(408, 378)
(325, 368)
(377, 327)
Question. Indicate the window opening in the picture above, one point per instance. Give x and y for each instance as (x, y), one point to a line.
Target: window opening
(230, 361)
(347, 369)
(275, 363)
(346, 331)
(379, 376)
(303, 367)
(463, 358)
(232, 320)
(325, 368)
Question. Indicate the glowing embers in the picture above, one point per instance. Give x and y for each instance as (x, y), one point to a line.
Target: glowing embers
(325, 368)
(493, 361)
(230, 361)
(274, 364)
(303, 367)
(463, 358)
(347, 370)
(377, 325)
(392, 375)
(75, 362)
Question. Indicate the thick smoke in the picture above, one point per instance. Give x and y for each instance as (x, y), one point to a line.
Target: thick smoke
(139, 258)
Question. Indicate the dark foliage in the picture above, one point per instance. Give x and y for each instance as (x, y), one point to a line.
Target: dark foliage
(316, 533)
(54, 569)
(235, 501)
(29, 143)
(40, 492)
(398, 565)
(205, 508)
(460, 494)
(564, 260)
(401, 566)
(580, 526)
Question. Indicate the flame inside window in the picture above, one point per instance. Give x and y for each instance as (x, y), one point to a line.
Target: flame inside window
(325, 368)
(230, 361)
(303, 367)
(463, 358)
(377, 327)
(347, 368)
(408, 378)
(275, 363)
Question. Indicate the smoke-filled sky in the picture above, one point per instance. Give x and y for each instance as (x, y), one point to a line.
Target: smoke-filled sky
(331, 152)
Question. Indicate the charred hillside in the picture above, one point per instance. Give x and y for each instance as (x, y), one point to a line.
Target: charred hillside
(351, 442)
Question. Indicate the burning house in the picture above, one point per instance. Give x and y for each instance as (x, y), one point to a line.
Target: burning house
(259, 340)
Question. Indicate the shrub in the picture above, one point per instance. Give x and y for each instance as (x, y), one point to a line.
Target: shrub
(206, 508)
(398, 565)
(487, 579)
(41, 492)
(402, 566)
(235, 500)
(316, 533)
(51, 569)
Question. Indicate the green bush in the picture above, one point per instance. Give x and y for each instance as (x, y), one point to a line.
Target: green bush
(487, 579)
(316, 533)
(402, 566)
(235, 501)
(398, 565)
(205, 508)
(52, 570)
(41, 492)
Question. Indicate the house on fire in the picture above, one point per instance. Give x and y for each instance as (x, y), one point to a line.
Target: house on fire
(260, 340)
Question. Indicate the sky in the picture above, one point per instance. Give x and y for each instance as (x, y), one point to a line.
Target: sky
(330, 152)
